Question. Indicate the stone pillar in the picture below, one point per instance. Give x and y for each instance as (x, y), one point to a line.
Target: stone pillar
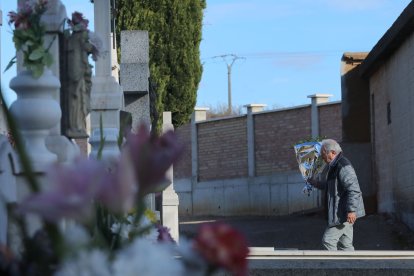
(170, 199)
(106, 94)
(251, 108)
(65, 150)
(199, 114)
(114, 58)
(317, 99)
(52, 19)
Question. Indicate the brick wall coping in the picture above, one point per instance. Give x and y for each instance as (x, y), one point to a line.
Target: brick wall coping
(330, 103)
(295, 107)
(283, 109)
(222, 118)
(266, 111)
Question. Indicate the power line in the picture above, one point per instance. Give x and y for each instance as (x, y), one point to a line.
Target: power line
(283, 54)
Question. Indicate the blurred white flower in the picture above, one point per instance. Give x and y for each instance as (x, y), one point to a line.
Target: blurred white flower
(152, 235)
(122, 229)
(146, 258)
(75, 236)
(86, 263)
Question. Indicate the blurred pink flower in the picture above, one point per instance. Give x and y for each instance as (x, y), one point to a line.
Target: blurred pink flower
(76, 187)
(142, 167)
(71, 194)
(223, 246)
(20, 19)
(151, 158)
(119, 189)
(78, 22)
(26, 13)
(28, 36)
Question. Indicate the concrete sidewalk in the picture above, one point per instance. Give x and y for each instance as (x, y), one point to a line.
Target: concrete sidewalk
(290, 245)
(304, 231)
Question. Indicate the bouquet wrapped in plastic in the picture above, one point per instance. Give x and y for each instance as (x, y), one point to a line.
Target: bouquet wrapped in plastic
(310, 162)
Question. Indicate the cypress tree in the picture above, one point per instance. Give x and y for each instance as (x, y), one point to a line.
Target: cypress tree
(174, 28)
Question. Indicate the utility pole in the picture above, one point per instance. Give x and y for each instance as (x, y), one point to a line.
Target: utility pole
(229, 59)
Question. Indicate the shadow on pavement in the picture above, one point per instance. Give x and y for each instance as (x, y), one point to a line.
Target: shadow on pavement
(304, 231)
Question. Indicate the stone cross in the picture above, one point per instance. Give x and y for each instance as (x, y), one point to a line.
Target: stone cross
(135, 74)
(134, 80)
(106, 96)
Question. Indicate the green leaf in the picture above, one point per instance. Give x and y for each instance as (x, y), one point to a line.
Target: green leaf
(48, 59)
(102, 139)
(11, 62)
(37, 54)
(37, 70)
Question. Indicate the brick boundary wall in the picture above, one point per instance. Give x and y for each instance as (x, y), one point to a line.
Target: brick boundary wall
(330, 121)
(222, 143)
(222, 149)
(275, 135)
(182, 169)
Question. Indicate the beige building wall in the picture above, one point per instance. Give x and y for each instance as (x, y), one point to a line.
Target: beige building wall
(392, 111)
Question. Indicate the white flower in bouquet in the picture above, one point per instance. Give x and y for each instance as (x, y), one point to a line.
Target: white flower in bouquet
(147, 258)
(86, 263)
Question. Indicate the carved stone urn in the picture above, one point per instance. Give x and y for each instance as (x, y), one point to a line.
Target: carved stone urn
(36, 112)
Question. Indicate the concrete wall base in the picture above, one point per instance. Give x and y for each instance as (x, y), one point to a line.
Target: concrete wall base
(274, 195)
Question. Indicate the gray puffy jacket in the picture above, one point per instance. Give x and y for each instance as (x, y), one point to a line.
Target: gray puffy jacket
(343, 194)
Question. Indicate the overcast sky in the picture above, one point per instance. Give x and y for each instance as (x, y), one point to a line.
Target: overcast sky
(285, 49)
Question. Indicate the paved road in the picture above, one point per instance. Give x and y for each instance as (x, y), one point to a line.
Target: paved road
(304, 231)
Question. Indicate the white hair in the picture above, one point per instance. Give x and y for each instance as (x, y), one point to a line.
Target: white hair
(331, 145)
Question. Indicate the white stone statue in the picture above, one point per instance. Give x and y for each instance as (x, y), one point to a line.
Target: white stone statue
(79, 83)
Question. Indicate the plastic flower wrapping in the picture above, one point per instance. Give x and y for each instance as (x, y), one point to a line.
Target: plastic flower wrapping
(310, 162)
